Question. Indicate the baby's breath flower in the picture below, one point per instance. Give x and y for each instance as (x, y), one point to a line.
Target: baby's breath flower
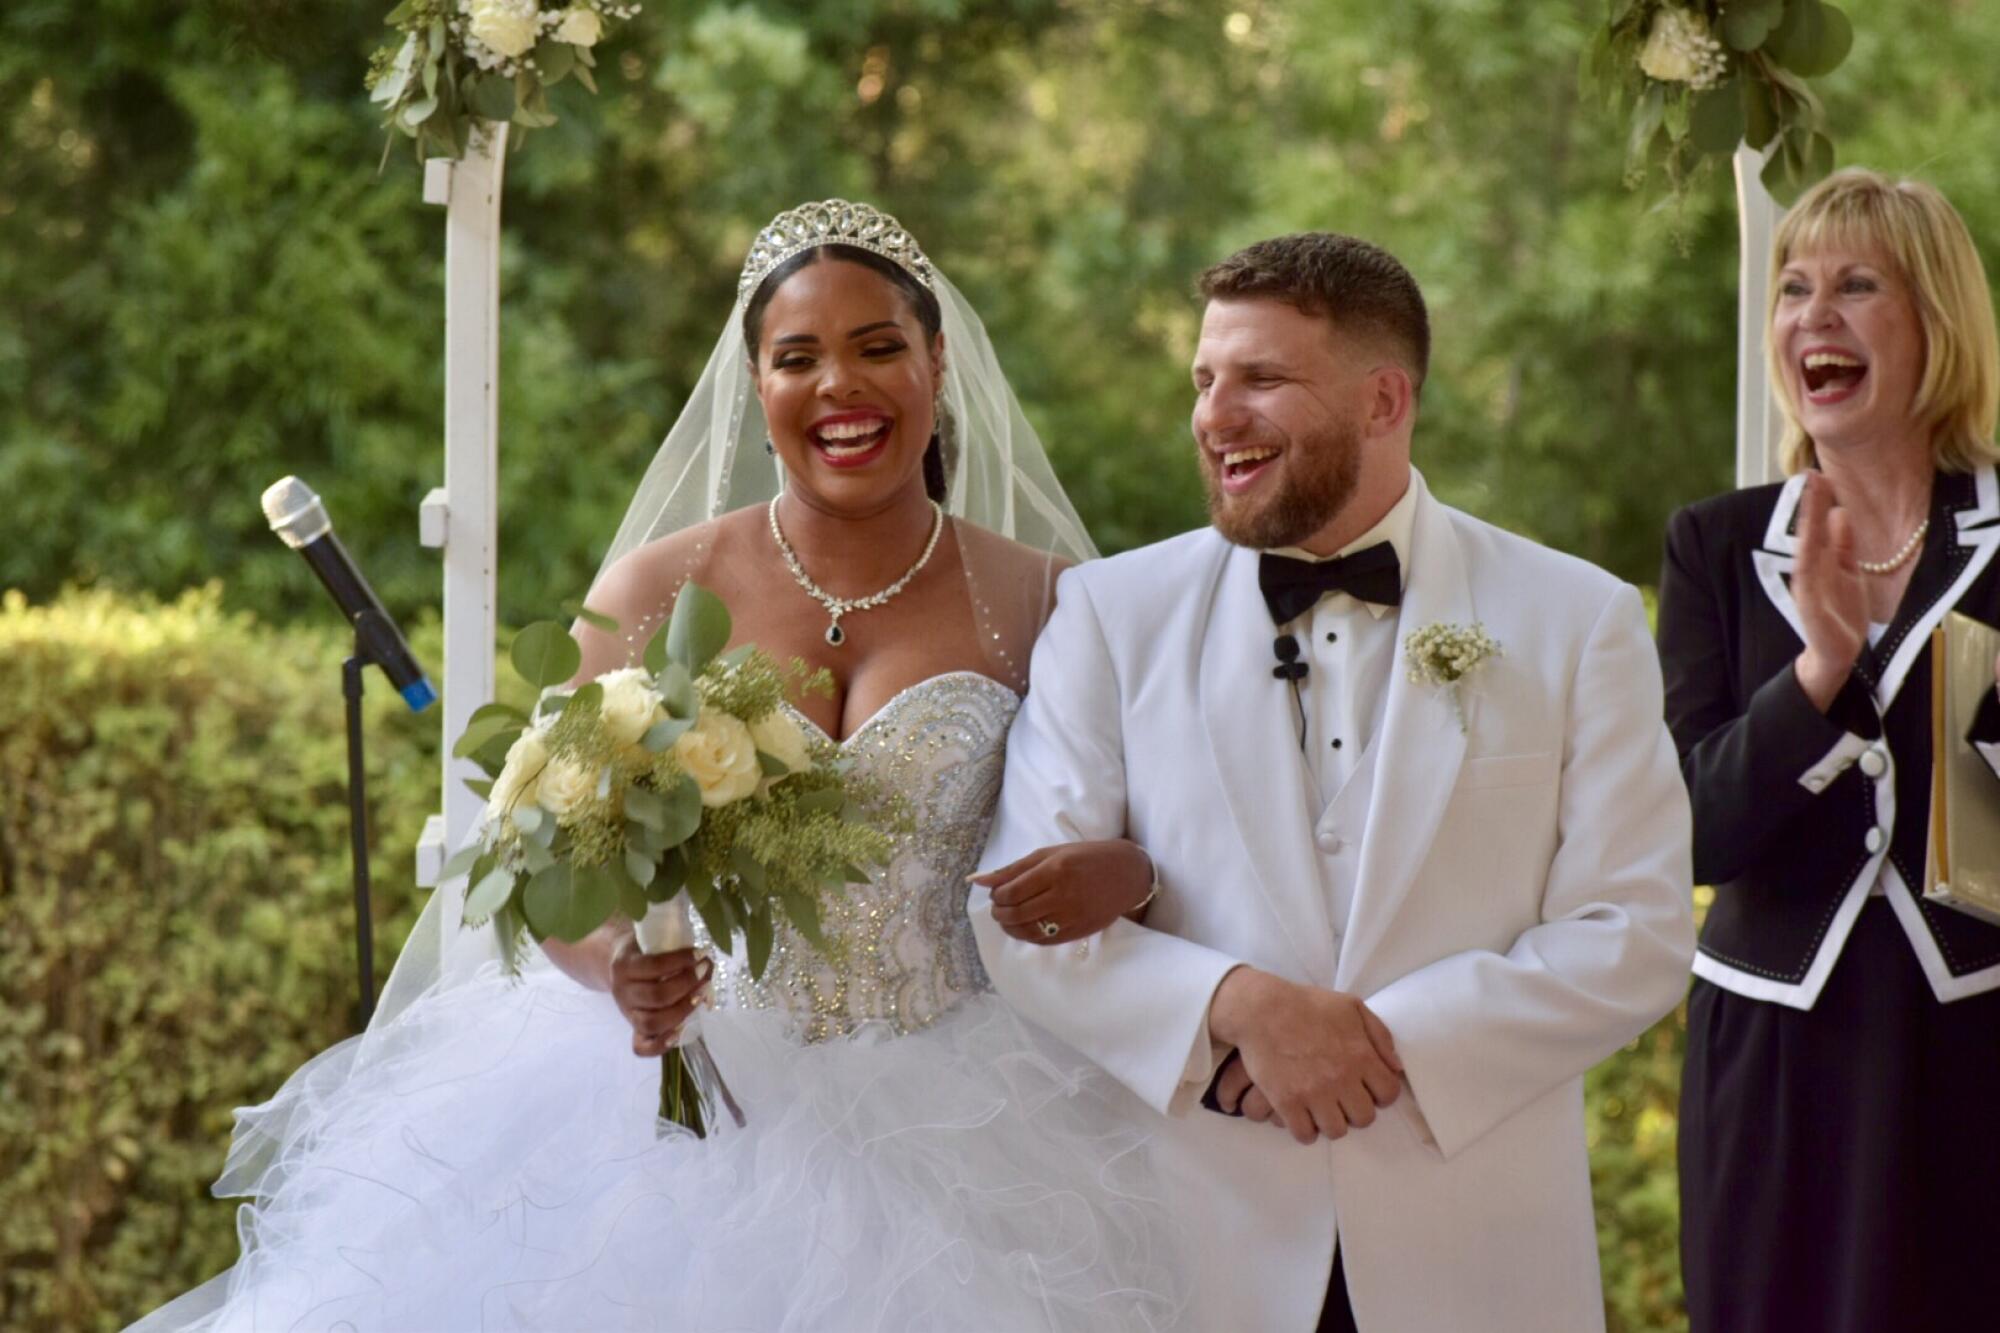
(1445, 654)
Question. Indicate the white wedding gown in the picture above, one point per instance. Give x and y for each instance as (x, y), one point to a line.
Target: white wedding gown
(915, 1157)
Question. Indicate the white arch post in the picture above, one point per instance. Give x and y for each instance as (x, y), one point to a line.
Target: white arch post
(1759, 426)
(461, 518)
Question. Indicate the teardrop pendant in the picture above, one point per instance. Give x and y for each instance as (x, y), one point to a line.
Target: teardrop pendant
(835, 635)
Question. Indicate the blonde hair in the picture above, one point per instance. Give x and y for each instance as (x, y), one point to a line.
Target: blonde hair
(1922, 233)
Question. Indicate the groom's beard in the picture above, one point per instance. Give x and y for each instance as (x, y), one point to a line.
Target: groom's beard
(1316, 477)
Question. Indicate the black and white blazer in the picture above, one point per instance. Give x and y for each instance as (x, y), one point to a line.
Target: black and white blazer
(1797, 813)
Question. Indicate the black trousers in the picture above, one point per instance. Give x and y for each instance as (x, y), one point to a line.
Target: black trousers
(1337, 1316)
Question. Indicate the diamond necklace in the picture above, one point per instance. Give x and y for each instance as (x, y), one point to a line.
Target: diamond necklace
(836, 607)
(1902, 556)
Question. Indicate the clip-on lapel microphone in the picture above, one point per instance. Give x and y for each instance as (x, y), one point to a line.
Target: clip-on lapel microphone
(1292, 669)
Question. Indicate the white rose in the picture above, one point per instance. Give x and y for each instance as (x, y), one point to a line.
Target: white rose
(1673, 47)
(566, 785)
(508, 27)
(778, 736)
(580, 27)
(719, 755)
(631, 704)
(521, 775)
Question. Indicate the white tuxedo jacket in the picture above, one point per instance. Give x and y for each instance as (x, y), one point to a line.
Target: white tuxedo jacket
(1521, 909)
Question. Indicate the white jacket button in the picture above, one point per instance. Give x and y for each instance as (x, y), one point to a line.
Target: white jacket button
(1874, 763)
(1875, 840)
(1328, 840)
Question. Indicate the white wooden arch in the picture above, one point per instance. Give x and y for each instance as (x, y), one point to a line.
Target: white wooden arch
(461, 518)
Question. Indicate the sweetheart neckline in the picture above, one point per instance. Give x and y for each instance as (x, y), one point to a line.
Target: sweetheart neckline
(894, 699)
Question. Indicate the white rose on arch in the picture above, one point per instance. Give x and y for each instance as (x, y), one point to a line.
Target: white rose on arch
(631, 705)
(719, 755)
(509, 28)
(580, 26)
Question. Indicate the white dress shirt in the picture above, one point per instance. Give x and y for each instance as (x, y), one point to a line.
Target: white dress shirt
(1350, 647)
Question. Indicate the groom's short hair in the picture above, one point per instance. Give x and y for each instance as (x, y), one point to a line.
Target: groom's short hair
(1359, 288)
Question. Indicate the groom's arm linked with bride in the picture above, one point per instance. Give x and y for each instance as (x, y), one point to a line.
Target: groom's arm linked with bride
(1417, 896)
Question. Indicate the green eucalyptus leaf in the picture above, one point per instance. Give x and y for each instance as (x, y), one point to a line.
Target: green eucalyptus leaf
(536, 857)
(1747, 23)
(1715, 122)
(826, 800)
(402, 13)
(643, 869)
(758, 933)
(480, 731)
(587, 699)
(544, 654)
(507, 711)
(584, 76)
(460, 861)
(854, 874)
(699, 628)
(488, 896)
(595, 619)
(750, 873)
(1646, 119)
(655, 656)
(490, 98)
(1818, 160)
(1760, 117)
(646, 806)
(772, 766)
(492, 756)
(683, 816)
(678, 692)
(569, 902)
(545, 830)
(1796, 37)
(555, 59)
(665, 732)
(530, 818)
(803, 911)
(714, 913)
(480, 787)
(1836, 40)
(736, 656)
(632, 900)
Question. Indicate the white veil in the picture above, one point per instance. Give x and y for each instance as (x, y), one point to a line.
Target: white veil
(713, 460)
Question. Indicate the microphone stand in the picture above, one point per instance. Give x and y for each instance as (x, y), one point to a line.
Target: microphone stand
(357, 820)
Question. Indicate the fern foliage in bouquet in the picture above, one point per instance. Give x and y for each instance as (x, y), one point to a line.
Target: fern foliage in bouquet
(649, 791)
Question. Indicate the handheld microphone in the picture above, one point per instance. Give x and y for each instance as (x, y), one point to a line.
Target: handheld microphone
(298, 517)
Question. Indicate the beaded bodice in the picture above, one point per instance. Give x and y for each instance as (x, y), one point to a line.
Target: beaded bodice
(900, 947)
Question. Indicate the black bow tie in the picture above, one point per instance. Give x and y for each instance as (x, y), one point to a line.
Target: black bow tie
(1291, 587)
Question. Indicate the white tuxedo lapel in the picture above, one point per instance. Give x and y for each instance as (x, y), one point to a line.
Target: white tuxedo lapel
(1253, 733)
(1421, 742)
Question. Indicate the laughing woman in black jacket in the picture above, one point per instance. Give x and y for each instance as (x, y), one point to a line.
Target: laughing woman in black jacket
(1840, 1108)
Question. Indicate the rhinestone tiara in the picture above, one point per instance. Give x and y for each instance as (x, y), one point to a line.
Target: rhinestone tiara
(831, 222)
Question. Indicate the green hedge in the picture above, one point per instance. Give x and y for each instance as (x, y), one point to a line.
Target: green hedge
(177, 938)
(178, 923)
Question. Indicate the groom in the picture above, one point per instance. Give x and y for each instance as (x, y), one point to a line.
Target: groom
(1398, 916)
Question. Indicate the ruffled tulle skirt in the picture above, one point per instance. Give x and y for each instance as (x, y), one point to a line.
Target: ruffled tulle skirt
(490, 1161)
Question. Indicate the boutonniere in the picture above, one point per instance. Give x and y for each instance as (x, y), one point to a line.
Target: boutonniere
(1443, 655)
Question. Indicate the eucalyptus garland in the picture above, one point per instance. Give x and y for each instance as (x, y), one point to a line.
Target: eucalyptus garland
(1697, 77)
(456, 62)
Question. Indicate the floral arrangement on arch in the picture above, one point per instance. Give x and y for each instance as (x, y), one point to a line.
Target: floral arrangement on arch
(1697, 77)
(460, 61)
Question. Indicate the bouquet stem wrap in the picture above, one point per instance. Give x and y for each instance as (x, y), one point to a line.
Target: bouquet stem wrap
(690, 1084)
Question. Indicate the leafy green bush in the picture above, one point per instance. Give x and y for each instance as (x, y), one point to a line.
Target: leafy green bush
(177, 938)
(178, 922)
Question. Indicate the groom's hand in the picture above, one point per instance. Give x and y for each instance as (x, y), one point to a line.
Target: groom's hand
(1320, 1059)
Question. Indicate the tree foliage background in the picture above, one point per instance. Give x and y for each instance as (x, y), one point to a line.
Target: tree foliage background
(205, 284)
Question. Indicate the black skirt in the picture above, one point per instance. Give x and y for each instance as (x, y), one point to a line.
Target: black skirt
(1840, 1167)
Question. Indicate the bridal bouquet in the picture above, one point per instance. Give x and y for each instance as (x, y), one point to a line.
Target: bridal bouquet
(652, 790)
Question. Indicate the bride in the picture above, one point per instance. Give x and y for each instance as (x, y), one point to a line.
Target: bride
(855, 479)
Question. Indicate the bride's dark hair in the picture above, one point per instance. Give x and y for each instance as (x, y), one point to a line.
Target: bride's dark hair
(922, 301)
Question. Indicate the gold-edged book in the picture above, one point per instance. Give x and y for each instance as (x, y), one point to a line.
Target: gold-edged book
(1962, 862)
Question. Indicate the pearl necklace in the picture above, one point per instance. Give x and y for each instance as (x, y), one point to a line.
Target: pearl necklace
(836, 607)
(1902, 556)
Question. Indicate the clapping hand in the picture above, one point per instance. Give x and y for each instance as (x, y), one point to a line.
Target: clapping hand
(1831, 594)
